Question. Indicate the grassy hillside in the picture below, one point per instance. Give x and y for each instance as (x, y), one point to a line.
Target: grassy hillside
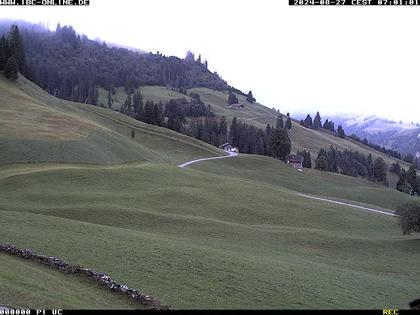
(268, 171)
(37, 127)
(26, 284)
(199, 240)
(259, 115)
(230, 233)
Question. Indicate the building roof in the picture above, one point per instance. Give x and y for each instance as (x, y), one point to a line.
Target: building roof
(226, 145)
(291, 158)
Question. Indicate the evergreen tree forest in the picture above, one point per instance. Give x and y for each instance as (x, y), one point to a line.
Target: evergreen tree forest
(409, 181)
(197, 120)
(377, 147)
(12, 54)
(316, 123)
(70, 66)
(352, 163)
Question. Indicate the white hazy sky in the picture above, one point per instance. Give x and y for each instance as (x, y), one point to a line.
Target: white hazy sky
(333, 59)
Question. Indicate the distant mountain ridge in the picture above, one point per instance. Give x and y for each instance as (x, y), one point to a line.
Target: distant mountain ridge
(393, 135)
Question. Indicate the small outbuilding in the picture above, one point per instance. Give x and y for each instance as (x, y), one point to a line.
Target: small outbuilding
(295, 161)
(237, 106)
(229, 147)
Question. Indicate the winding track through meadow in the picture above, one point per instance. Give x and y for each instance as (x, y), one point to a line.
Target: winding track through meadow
(233, 154)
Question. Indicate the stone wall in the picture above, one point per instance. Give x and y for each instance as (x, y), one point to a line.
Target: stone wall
(101, 278)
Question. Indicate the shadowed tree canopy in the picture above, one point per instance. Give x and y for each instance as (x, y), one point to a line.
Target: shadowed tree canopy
(317, 121)
(288, 122)
(232, 99)
(11, 69)
(409, 217)
(73, 67)
(341, 132)
(308, 121)
(250, 98)
(280, 143)
(279, 122)
(379, 170)
(321, 163)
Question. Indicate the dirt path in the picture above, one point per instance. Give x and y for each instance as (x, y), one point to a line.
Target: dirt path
(231, 154)
(267, 116)
(347, 204)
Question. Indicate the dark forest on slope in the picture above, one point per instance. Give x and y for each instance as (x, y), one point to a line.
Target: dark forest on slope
(72, 67)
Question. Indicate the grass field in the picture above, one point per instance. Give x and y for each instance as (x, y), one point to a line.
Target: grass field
(269, 171)
(259, 115)
(36, 127)
(30, 285)
(199, 240)
(228, 233)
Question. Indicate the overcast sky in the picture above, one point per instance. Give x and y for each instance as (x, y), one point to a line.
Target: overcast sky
(332, 59)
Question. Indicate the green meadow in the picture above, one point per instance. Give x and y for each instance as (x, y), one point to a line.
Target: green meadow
(228, 233)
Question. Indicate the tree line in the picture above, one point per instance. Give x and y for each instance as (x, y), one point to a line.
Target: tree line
(377, 147)
(409, 181)
(352, 163)
(72, 67)
(316, 123)
(197, 120)
(12, 54)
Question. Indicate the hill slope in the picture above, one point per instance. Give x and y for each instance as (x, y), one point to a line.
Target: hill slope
(198, 240)
(30, 285)
(209, 236)
(259, 116)
(37, 127)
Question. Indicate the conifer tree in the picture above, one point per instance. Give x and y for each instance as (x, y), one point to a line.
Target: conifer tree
(149, 116)
(128, 104)
(16, 48)
(403, 185)
(411, 176)
(317, 121)
(3, 49)
(11, 69)
(232, 99)
(159, 118)
(280, 144)
(288, 122)
(307, 163)
(109, 95)
(137, 101)
(234, 132)
(341, 132)
(321, 163)
(223, 130)
(396, 168)
(308, 121)
(250, 98)
(379, 170)
(279, 122)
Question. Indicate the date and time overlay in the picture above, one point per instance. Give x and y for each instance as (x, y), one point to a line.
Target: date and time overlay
(291, 2)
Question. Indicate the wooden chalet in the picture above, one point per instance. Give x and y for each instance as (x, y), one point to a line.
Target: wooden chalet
(229, 147)
(295, 161)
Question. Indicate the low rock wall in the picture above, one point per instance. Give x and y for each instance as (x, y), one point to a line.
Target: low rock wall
(102, 278)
